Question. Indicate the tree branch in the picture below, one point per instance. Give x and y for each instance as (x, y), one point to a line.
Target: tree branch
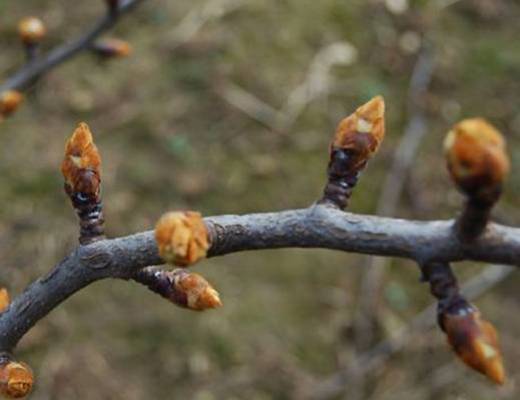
(318, 226)
(41, 65)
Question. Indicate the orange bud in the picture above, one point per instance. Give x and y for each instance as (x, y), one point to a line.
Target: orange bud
(476, 156)
(194, 292)
(9, 102)
(475, 341)
(16, 379)
(112, 48)
(81, 166)
(363, 131)
(4, 299)
(182, 237)
(31, 30)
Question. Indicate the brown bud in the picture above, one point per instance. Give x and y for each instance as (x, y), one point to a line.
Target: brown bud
(193, 291)
(4, 299)
(112, 48)
(16, 379)
(362, 132)
(31, 30)
(476, 156)
(182, 237)
(81, 166)
(475, 341)
(9, 102)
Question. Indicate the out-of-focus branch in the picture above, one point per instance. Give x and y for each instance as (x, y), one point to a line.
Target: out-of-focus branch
(38, 66)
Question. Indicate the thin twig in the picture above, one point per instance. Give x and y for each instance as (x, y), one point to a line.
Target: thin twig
(41, 65)
(314, 227)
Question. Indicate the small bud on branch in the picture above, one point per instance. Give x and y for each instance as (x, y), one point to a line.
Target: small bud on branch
(5, 300)
(9, 102)
(473, 339)
(357, 139)
(182, 237)
(16, 378)
(478, 164)
(81, 169)
(185, 289)
(112, 48)
(477, 158)
(31, 30)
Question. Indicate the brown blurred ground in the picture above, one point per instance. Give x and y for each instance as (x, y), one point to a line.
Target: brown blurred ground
(170, 140)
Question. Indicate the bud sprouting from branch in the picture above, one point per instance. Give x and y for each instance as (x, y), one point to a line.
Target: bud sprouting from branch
(478, 164)
(5, 300)
(81, 168)
(183, 288)
(475, 341)
(16, 378)
(112, 48)
(182, 237)
(9, 102)
(31, 30)
(357, 139)
(476, 156)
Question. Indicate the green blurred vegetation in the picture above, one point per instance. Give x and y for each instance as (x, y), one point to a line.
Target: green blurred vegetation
(170, 140)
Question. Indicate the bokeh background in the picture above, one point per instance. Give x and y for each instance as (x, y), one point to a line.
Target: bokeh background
(227, 106)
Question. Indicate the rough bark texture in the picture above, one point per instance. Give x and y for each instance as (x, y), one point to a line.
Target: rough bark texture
(319, 226)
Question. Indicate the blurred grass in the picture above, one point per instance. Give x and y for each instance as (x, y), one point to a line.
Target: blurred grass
(170, 141)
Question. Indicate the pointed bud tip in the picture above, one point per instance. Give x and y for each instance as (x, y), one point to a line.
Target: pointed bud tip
(363, 131)
(475, 341)
(81, 166)
(198, 293)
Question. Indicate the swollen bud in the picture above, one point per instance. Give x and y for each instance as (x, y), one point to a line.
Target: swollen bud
(362, 132)
(112, 48)
(182, 237)
(193, 291)
(81, 166)
(476, 156)
(31, 30)
(16, 379)
(475, 341)
(9, 102)
(4, 299)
